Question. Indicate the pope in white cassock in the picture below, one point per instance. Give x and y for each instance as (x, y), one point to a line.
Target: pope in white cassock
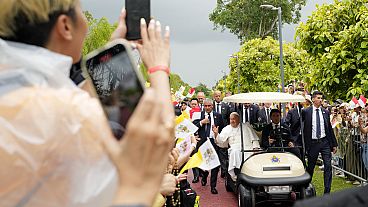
(231, 135)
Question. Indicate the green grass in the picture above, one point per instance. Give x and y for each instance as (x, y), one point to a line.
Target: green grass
(338, 183)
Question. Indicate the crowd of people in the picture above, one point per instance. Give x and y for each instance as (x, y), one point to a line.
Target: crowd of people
(57, 148)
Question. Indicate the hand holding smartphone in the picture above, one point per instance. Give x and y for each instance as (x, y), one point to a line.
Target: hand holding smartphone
(118, 83)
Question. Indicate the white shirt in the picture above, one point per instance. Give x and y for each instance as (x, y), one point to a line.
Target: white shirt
(314, 123)
(274, 126)
(219, 107)
(248, 111)
(211, 124)
(268, 111)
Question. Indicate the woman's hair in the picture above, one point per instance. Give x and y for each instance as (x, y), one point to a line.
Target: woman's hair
(31, 21)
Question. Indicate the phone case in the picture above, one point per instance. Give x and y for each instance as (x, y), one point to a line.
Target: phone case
(106, 47)
(136, 9)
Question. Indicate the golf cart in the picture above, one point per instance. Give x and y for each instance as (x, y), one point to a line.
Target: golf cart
(273, 177)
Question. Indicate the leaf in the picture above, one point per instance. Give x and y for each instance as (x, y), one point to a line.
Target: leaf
(363, 45)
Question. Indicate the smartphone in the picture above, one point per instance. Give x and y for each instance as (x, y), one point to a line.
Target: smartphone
(136, 9)
(117, 81)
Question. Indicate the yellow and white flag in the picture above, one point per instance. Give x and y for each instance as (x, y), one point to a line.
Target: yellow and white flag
(184, 145)
(206, 158)
(184, 127)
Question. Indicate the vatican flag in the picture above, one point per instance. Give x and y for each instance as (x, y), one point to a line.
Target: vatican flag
(206, 158)
(184, 127)
(184, 145)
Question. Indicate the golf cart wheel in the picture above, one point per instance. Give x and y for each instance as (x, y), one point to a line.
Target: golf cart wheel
(227, 183)
(310, 191)
(246, 197)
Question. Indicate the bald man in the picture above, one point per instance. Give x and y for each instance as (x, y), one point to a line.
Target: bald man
(223, 109)
(201, 97)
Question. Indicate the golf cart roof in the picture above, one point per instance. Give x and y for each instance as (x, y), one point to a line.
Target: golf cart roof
(264, 97)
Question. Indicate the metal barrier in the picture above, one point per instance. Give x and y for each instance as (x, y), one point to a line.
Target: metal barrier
(348, 159)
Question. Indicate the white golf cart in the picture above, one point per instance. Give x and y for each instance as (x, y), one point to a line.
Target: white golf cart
(269, 178)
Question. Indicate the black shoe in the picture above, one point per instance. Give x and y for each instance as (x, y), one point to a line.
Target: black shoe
(222, 175)
(214, 191)
(195, 180)
(204, 181)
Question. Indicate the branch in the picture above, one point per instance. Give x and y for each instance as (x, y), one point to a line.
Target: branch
(271, 28)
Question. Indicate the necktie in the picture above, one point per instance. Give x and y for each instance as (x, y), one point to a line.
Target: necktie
(201, 106)
(318, 132)
(268, 115)
(245, 115)
(218, 108)
(208, 129)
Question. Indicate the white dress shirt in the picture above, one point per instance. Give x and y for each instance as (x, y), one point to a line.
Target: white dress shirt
(212, 122)
(314, 123)
(248, 111)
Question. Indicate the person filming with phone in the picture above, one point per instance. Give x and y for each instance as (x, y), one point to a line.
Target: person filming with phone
(56, 146)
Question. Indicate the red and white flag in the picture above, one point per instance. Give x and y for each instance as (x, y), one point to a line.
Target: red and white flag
(362, 101)
(353, 102)
(191, 93)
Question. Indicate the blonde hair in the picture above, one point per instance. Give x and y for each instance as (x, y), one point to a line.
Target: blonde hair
(33, 11)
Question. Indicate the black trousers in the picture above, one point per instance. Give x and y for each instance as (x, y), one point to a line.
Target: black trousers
(323, 147)
(214, 172)
(224, 159)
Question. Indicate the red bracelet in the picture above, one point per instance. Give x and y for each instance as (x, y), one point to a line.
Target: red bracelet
(159, 68)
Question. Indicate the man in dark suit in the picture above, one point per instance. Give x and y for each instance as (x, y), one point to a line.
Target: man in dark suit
(223, 109)
(200, 98)
(264, 114)
(232, 107)
(274, 131)
(354, 197)
(250, 113)
(293, 121)
(208, 120)
(319, 138)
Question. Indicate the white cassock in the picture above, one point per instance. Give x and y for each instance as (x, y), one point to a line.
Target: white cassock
(232, 136)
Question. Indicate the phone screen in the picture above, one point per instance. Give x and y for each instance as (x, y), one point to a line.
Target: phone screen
(117, 85)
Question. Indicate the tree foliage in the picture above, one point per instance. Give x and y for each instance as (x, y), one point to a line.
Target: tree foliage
(247, 20)
(99, 33)
(259, 66)
(203, 88)
(336, 38)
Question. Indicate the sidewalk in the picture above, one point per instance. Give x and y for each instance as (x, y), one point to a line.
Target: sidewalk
(222, 199)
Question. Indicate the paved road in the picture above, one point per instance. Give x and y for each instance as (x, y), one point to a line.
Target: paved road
(222, 199)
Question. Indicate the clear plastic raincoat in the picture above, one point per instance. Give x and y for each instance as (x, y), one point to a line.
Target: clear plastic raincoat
(50, 134)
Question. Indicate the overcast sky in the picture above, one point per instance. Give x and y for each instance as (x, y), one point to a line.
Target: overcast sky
(199, 53)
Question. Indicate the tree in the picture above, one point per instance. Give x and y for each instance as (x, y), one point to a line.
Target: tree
(259, 66)
(247, 20)
(336, 39)
(203, 88)
(99, 34)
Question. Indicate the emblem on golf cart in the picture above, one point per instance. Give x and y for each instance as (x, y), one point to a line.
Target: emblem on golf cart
(275, 159)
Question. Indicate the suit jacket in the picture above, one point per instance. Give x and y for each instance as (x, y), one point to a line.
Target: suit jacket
(307, 120)
(354, 197)
(262, 117)
(253, 116)
(267, 131)
(293, 121)
(202, 129)
(225, 112)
